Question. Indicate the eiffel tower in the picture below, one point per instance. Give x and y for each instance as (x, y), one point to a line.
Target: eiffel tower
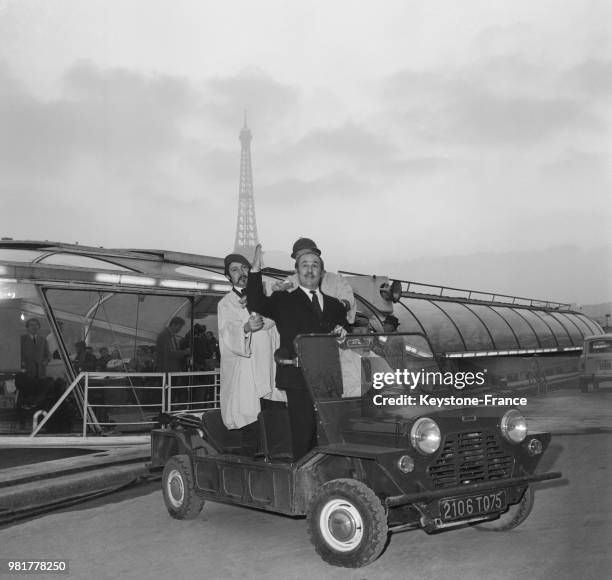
(246, 226)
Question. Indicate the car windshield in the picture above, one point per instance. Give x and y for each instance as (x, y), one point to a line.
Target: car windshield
(367, 363)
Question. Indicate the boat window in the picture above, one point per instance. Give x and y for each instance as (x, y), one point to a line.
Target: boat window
(19, 304)
(200, 273)
(15, 255)
(79, 261)
(122, 331)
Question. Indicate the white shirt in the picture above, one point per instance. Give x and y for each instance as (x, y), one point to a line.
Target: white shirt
(317, 294)
(336, 286)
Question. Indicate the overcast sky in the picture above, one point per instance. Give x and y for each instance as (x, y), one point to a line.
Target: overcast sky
(388, 131)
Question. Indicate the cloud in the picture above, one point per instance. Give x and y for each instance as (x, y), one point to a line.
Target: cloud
(506, 101)
(122, 120)
(126, 116)
(266, 100)
(592, 78)
(484, 119)
(370, 154)
(346, 141)
(330, 189)
(34, 137)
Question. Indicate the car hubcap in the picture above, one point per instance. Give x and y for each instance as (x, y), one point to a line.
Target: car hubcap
(175, 488)
(341, 525)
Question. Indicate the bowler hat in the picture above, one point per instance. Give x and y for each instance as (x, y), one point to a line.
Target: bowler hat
(231, 258)
(302, 244)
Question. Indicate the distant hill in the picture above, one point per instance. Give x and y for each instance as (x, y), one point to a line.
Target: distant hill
(598, 313)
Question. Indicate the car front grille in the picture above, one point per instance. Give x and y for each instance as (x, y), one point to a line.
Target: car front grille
(470, 458)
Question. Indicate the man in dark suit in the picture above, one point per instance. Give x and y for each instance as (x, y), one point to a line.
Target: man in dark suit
(169, 357)
(305, 310)
(34, 351)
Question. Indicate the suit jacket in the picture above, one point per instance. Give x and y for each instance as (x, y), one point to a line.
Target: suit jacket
(294, 314)
(168, 358)
(34, 357)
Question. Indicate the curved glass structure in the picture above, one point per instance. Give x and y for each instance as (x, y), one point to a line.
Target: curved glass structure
(464, 324)
(458, 328)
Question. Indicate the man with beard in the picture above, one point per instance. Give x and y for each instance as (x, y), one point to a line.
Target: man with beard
(304, 310)
(247, 342)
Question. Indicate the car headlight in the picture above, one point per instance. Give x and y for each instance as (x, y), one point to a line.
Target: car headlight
(425, 435)
(514, 426)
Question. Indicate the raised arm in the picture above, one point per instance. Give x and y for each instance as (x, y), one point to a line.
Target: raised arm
(257, 301)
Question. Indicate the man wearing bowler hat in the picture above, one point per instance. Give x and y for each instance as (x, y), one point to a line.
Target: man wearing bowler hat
(331, 283)
(301, 311)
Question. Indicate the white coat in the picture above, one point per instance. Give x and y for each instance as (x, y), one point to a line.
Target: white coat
(247, 363)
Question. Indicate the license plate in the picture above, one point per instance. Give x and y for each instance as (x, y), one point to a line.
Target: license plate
(463, 508)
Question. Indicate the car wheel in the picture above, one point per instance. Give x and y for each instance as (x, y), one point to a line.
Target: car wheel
(178, 488)
(515, 515)
(347, 523)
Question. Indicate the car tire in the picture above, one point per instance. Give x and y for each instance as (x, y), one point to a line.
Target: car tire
(178, 488)
(515, 515)
(347, 523)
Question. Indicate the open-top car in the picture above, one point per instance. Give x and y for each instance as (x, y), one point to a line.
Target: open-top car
(399, 447)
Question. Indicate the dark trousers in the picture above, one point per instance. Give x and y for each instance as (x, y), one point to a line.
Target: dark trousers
(303, 422)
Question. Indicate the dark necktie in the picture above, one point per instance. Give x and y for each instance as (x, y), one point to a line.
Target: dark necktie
(315, 303)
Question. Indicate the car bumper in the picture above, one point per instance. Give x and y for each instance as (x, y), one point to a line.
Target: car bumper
(470, 488)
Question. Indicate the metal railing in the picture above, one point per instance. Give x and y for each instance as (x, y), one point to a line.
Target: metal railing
(421, 290)
(190, 395)
(104, 391)
(111, 400)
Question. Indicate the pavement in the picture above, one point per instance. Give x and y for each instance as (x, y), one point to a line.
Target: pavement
(129, 535)
(117, 462)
